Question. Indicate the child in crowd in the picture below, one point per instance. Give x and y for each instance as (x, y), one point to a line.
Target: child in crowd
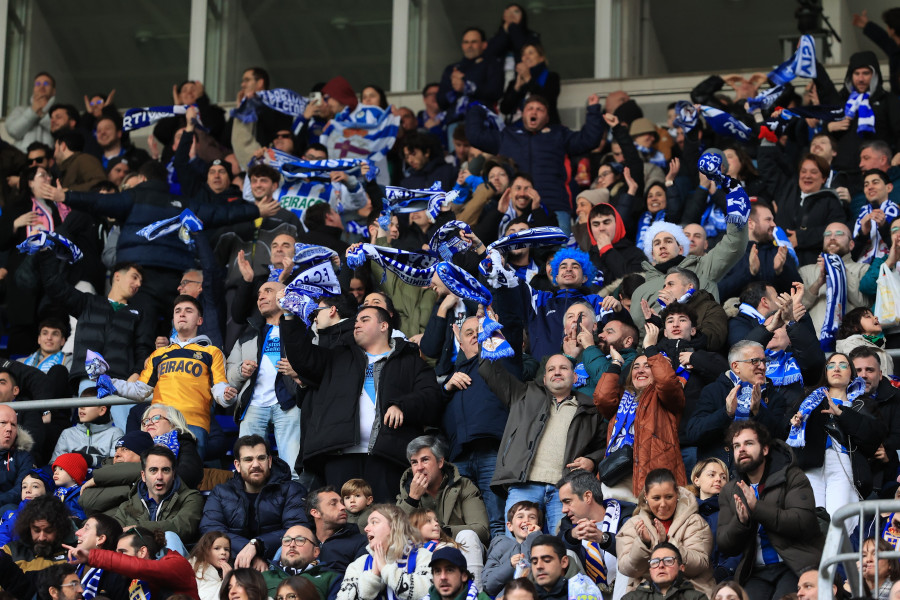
(37, 483)
(357, 495)
(210, 561)
(94, 437)
(434, 536)
(525, 522)
(69, 472)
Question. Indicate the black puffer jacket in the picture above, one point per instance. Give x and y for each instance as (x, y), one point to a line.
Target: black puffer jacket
(121, 336)
(337, 374)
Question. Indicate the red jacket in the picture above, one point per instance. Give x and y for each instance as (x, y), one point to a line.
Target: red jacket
(171, 574)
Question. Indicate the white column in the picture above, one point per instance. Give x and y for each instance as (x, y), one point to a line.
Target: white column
(603, 39)
(197, 43)
(399, 45)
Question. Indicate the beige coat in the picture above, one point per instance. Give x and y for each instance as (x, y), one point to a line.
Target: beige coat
(689, 533)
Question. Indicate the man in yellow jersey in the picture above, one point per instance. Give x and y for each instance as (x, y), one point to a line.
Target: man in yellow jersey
(188, 374)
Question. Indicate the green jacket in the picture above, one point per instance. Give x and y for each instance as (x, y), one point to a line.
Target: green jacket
(681, 590)
(596, 364)
(112, 485)
(458, 504)
(319, 577)
(179, 512)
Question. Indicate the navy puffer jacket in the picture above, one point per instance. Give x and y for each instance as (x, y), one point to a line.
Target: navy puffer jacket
(541, 154)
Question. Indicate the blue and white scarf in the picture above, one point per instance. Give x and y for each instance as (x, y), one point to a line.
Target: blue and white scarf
(137, 118)
(750, 311)
(686, 116)
(184, 224)
(287, 102)
(411, 268)
(62, 247)
(493, 345)
(497, 273)
(766, 99)
(646, 220)
(90, 580)
(684, 298)
(274, 273)
(797, 436)
(316, 280)
(461, 284)
(447, 242)
(34, 360)
(367, 132)
(713, 219)
(782, 239)
(737, 200)
(783, 368)
(169, 440)
(725, 124)
(680, 370)
(858, 106)
(400, 200)
(654, 157)
(311, 254)
(877, 246)
(529, 238)
(623, 430)
(802, 63)
(744, 397)
(835, 300)
(299, 305)
(322, 169)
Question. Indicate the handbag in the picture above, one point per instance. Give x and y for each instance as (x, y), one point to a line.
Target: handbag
(887, 298)
(615, 467)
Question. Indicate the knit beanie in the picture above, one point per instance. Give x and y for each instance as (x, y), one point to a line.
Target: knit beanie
(659, 227)
(136, 441)
(339, 89)
(595, 197)
(73, 464)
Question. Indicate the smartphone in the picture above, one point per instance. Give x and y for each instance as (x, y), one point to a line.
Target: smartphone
(316, 98)
(578, 327)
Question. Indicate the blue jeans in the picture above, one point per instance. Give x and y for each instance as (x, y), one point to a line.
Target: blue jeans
(545, 495)
(287, 430)
(478, 465)
(564, 218)
(202, 435)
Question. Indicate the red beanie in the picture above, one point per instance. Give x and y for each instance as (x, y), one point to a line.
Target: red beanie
(339, 89)
(73, 464)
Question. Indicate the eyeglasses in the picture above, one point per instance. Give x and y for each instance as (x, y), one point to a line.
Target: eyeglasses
(288, 540)
(184, 282)
(841, 365)
(755, 361)
(287, 597)
(668, 561)
(71, 584)
(838, 233)
(154, 419)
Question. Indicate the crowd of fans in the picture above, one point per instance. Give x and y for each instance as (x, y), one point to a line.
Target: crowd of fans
(685, 396)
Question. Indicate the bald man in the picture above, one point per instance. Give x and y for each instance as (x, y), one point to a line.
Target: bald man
(17, 461)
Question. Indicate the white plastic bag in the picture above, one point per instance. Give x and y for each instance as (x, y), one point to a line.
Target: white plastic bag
(887, 298)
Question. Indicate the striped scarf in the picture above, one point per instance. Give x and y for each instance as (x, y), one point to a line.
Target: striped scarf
(35, 360)
(835, 300)
(90, 580)
(410, 267)
(858, 106)
(877, 246)
(623, 430)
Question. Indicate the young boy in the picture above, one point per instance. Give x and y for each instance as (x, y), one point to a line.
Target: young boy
(69, 472)
(525, 521)
(94, 437)
(357, 495)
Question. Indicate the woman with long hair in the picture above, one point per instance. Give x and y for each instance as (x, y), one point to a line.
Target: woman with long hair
(666, 512)
(643, 414)
(729, 590)
(296, 588)
(244, 584)
(834, 433)
(395, 559)
(707, 479)
(888, 569)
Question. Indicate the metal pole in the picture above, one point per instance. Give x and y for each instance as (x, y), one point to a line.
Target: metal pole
(54, 403)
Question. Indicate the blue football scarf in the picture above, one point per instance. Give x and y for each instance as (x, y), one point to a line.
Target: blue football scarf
(737, 202)
(782, 239)
(497, 273)
(274, 273)
(169, 440)
(766, 99)
(858, 106)
(654, 157)
(34, 360)
(310, 254)
(287, 102)
(299, 305)
(322, 169)
(713, 219)
(797, 436)
(783, 368)
(684, 298)
(623, 430)
(96, 367)
(680, 370)
(90, 580)
(877, 247)
(835, 300)
(686, 116)
(400, 200)
(801, 64)
(447, 242)
(411, 268)
(725, 124)
(493, 345)
(137, 118)
(317, 280)
(354, 228)
(61, 247)
(184, 224)
(491, 120)
(462, 284)
(744, 397)
(492, 266)
(367, 132)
